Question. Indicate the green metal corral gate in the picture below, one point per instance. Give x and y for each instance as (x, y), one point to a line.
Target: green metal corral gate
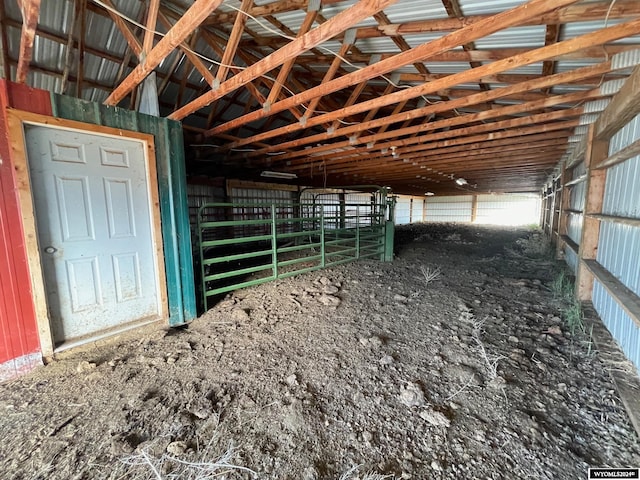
(245, 244)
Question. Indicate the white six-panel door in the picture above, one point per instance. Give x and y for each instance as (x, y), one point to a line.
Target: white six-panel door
(91, 200)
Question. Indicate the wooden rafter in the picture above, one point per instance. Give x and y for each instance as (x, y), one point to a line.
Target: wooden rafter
(149, 33)
(187, 50)
(540, 54)
(286, 67)
(448, 123)
(127, 33)
(622, 109)
(232, 43)
(583, 12)
(485, 27)
(337, 24)
(552, 36)
(30, 11)
(453, 9)
(409, 145)
(189, 21)
(81, 47)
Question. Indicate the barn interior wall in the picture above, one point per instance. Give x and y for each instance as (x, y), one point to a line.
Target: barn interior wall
(19, 342)
(505, 209)
(591, 211)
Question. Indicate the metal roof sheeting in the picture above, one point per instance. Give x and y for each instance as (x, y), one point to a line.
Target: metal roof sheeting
(484, 7)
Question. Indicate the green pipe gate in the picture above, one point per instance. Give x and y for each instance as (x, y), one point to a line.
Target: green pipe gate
(245, 244)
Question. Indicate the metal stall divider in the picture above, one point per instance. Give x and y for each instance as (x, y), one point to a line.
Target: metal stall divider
(246, 244)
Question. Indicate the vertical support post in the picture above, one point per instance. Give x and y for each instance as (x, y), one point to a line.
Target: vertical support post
(424, 210)
(323, 250)
(411, 210)
(552, 213)
(274, 241)
(389, 230)
(474, 208)
(357, 231)
(565, 195)
(343, 209)
(597, 151)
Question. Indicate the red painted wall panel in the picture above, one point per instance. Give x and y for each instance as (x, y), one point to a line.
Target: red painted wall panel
(18, 326)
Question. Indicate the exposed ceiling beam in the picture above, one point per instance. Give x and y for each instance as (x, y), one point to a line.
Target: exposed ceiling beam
(490, 129)
(286, 67)
(189, 21)
(338, 24)
(232, 44)
(601, 36)
(624, 106)
(482, 28)
(602, 52)
(30, 11)
(585, 72)
(149, 33)
(189, 53)
(127, 33)
(440, 124)
(583, 12)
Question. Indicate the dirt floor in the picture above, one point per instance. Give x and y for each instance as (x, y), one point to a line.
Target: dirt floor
(455, 361)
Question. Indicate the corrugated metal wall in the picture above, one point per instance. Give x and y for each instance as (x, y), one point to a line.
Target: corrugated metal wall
(449, 209)
(506, 209)
(509, 209)
(403, 210)
(619, 243)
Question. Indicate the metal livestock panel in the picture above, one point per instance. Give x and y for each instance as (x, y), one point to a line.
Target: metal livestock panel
(403, 210)
(621, 326)
(262, 195)
(508, 209)
(449, 209)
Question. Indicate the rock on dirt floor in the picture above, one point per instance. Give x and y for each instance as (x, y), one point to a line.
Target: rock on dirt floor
(361, 368)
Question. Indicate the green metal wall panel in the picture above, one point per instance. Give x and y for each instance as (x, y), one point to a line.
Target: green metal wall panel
(174, 211)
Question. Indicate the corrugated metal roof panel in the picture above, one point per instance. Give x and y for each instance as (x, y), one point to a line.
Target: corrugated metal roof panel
(484, 7)
(377, 45)
(405, 10)
(447, 67)
(518, 37)
(567, 65)
(417, 40)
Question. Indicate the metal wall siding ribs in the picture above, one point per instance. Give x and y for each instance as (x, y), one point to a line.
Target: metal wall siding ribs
(621, 326)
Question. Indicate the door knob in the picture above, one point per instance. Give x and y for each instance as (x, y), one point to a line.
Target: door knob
(50, 249)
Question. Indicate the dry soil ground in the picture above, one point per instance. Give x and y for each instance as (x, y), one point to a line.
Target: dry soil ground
(369, 370)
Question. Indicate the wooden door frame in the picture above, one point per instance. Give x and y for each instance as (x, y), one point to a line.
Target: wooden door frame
(16, 122)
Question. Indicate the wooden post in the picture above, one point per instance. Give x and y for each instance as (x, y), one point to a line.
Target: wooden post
(474, 208)
(597, 151)
(565, 195)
